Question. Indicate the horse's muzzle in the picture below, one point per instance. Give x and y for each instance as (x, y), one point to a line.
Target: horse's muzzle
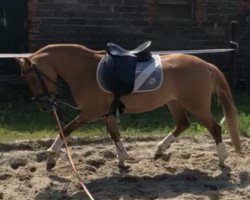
(45, 106)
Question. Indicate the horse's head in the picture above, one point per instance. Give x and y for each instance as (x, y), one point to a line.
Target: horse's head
(42, 82)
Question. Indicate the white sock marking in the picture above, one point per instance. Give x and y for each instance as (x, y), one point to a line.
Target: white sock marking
(222, 153)
(165, 143)
(121, 151)
(57, 145)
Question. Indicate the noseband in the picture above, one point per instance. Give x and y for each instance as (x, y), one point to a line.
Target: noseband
(44, 87)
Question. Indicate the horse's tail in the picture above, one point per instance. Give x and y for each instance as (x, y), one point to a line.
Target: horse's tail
(222, 89)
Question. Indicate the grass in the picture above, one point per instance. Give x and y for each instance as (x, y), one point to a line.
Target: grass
(24, 121)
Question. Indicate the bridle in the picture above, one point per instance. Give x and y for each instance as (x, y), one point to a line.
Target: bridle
(52, 97)
(46, 93)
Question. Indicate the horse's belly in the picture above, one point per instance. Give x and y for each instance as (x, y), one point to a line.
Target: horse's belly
(143, 102)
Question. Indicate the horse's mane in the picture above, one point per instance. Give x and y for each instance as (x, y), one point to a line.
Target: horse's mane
(74, 48)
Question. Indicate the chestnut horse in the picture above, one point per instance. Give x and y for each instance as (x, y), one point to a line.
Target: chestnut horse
(188, 85)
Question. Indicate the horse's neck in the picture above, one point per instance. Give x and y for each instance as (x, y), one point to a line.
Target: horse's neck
(79, 72)
(77, 67)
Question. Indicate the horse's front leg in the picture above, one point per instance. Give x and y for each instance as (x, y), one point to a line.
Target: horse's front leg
(54, 150)
(113, 130)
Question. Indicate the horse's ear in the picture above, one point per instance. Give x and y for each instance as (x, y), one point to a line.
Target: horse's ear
(27, 62)
(23, 61)
(20, 61)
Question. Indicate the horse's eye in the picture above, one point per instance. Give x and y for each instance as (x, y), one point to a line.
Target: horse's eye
(22, 74)
(33, 80)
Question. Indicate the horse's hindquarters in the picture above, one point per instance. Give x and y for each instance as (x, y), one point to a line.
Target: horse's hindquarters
(187, 79)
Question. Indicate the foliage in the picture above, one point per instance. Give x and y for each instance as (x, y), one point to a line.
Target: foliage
(24, 121)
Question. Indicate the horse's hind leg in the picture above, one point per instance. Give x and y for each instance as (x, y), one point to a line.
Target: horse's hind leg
(182, 123)
(113, 130)
(215, 130)
(200, 108)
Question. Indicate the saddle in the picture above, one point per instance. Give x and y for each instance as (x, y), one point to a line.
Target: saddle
(119, 67)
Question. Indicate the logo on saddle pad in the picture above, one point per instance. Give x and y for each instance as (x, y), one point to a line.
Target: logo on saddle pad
(145, 77)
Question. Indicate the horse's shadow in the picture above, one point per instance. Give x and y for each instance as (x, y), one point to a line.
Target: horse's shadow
(194, 182)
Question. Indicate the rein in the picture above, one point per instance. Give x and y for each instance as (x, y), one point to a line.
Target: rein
(69, 155)
(55, 107)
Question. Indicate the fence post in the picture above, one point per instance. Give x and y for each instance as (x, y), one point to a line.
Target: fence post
(234, 38)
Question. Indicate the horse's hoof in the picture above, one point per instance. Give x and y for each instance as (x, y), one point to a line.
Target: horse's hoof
(124, 168)
(50, 165)
(222, 164)
(51, 160)
(158, 154)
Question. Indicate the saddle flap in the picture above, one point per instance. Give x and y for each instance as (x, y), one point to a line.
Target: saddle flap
(119, 73)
